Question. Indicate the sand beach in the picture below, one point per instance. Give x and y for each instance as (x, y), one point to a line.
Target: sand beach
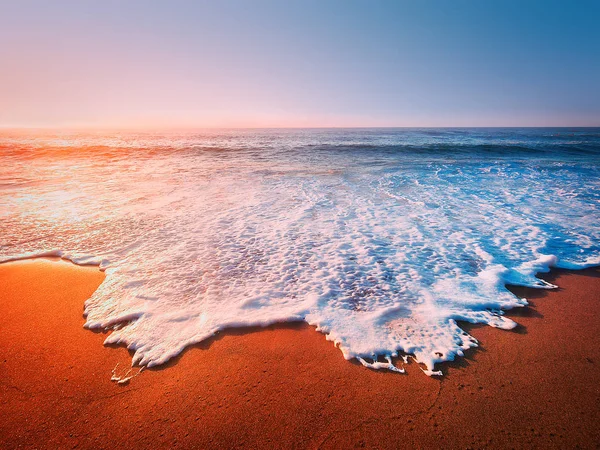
(286, 386)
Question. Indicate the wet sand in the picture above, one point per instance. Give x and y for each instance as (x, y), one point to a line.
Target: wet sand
(286, 386)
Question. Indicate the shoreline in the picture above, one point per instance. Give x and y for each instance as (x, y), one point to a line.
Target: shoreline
(286, 385)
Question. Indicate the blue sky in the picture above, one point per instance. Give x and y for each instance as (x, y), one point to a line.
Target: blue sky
(309, 63)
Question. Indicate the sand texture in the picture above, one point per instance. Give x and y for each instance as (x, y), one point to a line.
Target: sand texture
(286, 386)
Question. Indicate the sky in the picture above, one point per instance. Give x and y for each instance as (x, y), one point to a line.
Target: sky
(326, 63)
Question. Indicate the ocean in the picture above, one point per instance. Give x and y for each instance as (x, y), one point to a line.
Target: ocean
(383, 239)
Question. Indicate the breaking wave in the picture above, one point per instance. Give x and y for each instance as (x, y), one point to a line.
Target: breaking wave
(382, 239)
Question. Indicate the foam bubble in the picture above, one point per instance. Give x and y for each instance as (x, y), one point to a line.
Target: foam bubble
(381, 244)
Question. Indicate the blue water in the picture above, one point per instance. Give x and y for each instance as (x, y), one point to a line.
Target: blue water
(383, 239)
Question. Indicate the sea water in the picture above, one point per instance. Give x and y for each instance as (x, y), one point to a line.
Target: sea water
(384, 239)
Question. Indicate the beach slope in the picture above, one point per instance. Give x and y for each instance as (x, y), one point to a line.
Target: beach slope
(286, 386)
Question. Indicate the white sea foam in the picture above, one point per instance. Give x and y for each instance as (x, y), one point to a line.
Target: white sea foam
(382, 248)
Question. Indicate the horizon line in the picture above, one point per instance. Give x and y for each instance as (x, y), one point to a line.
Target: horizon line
(200, 128)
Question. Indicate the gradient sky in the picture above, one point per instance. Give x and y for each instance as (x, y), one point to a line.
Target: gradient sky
(305, 63)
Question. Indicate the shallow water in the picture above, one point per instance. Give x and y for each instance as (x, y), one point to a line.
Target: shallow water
(381, 238)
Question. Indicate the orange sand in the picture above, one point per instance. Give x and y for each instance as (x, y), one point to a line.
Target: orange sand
(286, 386)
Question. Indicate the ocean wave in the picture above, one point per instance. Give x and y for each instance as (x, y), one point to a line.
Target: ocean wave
(383, 245)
